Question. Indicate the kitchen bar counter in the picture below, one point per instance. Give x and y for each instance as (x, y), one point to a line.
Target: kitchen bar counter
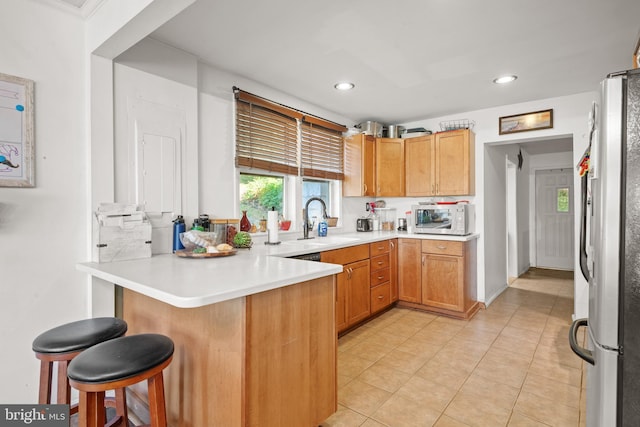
(186, 282)
(195, 282)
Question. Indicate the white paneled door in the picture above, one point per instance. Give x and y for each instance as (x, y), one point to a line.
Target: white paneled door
(554, 219)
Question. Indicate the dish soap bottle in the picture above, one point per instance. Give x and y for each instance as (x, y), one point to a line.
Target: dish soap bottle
(322, 228)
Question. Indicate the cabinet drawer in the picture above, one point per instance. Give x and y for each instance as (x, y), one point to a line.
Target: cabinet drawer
(379, 262)
(345, 255)
(378, 248)
(380, 297)
(380, 276)
(443, 247)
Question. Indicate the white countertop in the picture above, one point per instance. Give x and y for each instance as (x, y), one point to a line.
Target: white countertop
(194, 282)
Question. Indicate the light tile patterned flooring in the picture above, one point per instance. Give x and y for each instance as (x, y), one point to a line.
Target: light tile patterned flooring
(510, 365)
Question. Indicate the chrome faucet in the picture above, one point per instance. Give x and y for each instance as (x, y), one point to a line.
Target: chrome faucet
(305, 217)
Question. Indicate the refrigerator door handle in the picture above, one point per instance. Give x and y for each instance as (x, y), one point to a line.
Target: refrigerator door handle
(583, 229)
(583, 353)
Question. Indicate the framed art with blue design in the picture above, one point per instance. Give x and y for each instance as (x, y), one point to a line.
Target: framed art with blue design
(16, 132)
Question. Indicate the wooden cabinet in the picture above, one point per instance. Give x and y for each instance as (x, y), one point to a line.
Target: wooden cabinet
(359, 166)
(390, 176)
(393, 269)
(409, 270)
(440, 165)
(455, 163)
(420, 166)
(438, 275)
(358, 291)
(381, 275)
(353, 300)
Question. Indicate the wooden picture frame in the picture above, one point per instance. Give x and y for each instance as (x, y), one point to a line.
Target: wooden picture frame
(16, 132)
(535, 120)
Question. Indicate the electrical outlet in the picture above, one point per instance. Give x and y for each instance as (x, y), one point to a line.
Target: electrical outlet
(367, 207)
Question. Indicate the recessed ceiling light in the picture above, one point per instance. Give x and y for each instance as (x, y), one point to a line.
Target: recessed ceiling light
(344, 86)
(505, 79)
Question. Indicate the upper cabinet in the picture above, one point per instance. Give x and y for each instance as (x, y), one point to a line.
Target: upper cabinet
(441, 165)
(419, 166)
(359, 166)
(390, 174)
(455, 163)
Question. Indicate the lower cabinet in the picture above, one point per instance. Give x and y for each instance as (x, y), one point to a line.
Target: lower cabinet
(368, 283)
(438, 275)
(353, 301)
(409, 270)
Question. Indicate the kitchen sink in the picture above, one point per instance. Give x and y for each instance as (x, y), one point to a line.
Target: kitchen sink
(320, 241)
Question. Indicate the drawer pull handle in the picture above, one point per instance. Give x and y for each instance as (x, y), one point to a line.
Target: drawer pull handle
(380, 263)
(380, 296)
(441, 247)
(380, 277)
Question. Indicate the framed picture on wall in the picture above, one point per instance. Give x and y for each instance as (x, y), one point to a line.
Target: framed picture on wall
(526, 122)
(16, 132)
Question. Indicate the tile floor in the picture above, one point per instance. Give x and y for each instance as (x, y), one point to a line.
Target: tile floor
(510, 365)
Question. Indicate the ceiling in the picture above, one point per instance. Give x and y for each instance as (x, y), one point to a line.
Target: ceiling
(412, 59)
(409, 59)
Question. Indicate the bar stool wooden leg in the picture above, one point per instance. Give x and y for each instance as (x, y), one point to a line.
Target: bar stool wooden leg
(44, 392)
(157, 410)
(64, 390)
(93, 412)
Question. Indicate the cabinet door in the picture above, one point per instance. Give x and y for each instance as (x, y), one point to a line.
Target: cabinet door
(390, 167)
(419, 166)
(443, 281)
(341, 302)
(359, 166)
(358, 291)
(455, 163)
(393, 269)
(409, 270)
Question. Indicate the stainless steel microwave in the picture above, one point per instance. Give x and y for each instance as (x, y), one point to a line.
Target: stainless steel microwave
(456, 219)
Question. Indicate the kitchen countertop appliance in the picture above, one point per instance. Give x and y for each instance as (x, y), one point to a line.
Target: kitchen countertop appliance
(364, 224)
(609, 254)
(450, 218)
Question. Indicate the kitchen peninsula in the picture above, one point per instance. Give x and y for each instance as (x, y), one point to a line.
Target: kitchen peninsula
(255, 339)
(255, 333)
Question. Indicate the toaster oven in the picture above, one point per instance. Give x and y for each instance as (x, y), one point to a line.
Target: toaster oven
(455, 219)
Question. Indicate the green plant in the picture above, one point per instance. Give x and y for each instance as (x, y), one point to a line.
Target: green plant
(259, 193)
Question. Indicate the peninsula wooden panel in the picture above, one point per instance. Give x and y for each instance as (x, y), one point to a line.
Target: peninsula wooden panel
(290, 373)
(204, 382)
(442, 282)
(268, 359)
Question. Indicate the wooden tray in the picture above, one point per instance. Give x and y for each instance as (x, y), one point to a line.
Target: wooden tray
(189, 254)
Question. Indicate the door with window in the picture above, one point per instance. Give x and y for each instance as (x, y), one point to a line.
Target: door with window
(554, 219)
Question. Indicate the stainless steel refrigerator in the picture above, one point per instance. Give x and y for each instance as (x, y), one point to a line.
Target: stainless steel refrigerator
(610, 256)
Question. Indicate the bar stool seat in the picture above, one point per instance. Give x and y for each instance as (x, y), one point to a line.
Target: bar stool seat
(61, 344)
(116, 364)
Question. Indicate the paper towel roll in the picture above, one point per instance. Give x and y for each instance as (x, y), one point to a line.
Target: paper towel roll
(272, 226)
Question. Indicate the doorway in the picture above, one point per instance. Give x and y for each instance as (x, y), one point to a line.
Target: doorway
(554, 217)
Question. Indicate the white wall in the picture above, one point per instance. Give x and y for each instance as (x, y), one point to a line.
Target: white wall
(43, 230)
(570, 120)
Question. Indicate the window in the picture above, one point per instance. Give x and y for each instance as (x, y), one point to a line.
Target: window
(321, 190)
(259, 193)
(562, 200)
(278, 139)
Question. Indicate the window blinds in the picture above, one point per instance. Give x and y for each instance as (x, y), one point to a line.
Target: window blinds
(322, 152)
(269, 137)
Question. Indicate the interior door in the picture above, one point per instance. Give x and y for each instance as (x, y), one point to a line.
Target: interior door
(554, 219)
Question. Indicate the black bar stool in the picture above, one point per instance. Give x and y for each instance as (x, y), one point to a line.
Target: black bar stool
(62, 344)
(114, 365)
